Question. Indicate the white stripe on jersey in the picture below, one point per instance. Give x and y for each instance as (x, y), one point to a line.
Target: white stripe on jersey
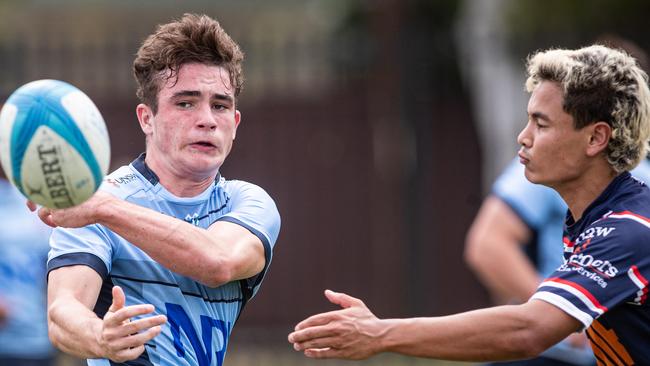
(564, 305)
(637, 281)
(631, 217)
(575, 292)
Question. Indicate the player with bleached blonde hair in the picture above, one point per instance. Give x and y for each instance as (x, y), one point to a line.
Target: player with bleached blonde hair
(588, 124)
(600, 84)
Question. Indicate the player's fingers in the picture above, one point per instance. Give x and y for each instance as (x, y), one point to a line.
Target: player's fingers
(323, 342)
(323, 353)
(343, 300)
(118, 299)
(31, 205)
(45, 214)
(141, 324)
(318, 319)
(311, 333)
(137, 339)
(124, 314)
(322, 318)
(127, 354)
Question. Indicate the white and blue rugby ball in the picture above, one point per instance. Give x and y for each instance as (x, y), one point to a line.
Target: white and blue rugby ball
(54, 145)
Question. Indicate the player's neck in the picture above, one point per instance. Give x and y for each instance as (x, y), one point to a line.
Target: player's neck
(178, 183)
(580, 193)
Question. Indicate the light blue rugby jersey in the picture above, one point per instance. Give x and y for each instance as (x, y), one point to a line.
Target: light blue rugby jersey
(200, 318)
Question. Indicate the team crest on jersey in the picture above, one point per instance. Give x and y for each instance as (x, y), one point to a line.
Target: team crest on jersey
(193, 219)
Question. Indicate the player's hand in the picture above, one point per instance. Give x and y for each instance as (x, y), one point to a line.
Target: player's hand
(76, 216)
(122, 339)
(350, 333)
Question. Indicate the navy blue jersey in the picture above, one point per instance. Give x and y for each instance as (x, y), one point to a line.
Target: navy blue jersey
(603, 282)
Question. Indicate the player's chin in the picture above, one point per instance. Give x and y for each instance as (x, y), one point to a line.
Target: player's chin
(532, 176)
(205, 163)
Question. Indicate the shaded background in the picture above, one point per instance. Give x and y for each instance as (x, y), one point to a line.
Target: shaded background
(377, 126)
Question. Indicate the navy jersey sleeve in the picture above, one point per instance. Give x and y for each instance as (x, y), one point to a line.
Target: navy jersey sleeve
(88, 246)
(609, 266)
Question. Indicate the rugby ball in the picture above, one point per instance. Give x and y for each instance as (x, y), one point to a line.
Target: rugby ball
(54, 145)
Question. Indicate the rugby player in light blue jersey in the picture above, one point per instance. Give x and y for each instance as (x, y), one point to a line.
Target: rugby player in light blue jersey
(156, 267)
(588, 126)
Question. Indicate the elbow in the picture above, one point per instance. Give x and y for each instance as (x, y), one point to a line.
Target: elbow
(54, 339)
(474, 254)
(52, 329)
(218, 273)
(530, 343)
(529, 346)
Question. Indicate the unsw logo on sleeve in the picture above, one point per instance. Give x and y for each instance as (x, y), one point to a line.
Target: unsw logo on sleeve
(116, 182)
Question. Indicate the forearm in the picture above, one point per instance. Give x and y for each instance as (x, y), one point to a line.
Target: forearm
(177, 245)
(73, 329)
(500, 333)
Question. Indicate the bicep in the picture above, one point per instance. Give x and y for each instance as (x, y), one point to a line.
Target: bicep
(78, 282)
(245, 250)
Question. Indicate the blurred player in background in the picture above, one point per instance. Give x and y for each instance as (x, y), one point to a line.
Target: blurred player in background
(588, 125)
(23, 253)
(160, 262)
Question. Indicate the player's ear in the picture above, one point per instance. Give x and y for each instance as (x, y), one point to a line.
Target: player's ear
(600, 133)
(145, 117)
(237, 120)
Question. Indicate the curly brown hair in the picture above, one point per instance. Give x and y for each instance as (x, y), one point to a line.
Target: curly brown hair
(193, 38)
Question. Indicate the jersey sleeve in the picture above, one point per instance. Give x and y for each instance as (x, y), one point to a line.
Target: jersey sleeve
(254, 209)
(533, 203)
(610, 266)
(88, 246)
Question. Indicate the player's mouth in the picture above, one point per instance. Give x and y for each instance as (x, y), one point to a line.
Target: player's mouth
(203, 145)
(523, 159)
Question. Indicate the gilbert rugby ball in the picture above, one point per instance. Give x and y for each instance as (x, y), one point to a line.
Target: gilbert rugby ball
(54, 146)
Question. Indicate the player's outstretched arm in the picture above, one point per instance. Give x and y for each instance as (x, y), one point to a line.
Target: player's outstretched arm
(499, 333)
(75, 329)
(223, 253)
